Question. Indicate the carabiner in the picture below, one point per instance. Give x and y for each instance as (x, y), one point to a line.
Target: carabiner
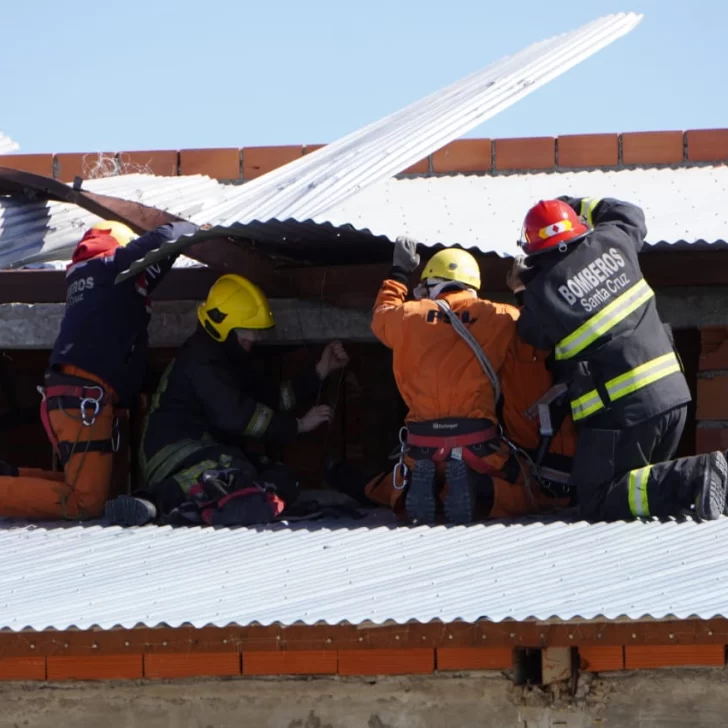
(400, 467)
(86, 404)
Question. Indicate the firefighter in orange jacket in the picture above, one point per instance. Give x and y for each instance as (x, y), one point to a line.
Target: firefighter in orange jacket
(452, 427)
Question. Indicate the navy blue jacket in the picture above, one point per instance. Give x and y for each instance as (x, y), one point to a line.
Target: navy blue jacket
(104, 329)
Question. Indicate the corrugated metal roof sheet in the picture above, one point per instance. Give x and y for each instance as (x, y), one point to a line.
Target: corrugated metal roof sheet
(7, 145)
(684, 206)
(86, 576)
(307, 187)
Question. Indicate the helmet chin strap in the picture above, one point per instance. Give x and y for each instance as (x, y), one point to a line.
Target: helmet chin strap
(432, 288)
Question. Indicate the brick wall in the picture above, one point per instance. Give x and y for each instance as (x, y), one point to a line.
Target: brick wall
(485, 156)
(712, 400)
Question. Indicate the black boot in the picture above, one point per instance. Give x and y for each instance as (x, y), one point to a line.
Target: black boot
(709, 493)
(421, 501)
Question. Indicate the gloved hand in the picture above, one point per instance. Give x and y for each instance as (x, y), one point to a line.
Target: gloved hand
(405, 254)
(182, 228)
(333, 357)
(573, 202)
(513, 279)
(314, 417)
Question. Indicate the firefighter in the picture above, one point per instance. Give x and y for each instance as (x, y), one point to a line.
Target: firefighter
(585, 300)
(451, 386)
(209, 399)
(96, 367)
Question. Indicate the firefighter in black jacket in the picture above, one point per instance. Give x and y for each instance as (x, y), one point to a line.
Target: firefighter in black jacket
(209, 399)
(584, 298)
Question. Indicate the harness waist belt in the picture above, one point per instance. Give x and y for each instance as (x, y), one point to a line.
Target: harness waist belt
(451, 441)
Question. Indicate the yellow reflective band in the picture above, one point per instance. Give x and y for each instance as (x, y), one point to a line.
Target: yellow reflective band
(259, 421)
(586, 405)
(606, 319)
(587, 209)
(627, 383)
(643, 375)
(638, 503)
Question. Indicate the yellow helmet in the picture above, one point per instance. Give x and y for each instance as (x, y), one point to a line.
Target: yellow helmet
(454, 264)
(123, 234)
(234, 302)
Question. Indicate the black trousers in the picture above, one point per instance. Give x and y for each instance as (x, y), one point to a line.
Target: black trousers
(628, 473)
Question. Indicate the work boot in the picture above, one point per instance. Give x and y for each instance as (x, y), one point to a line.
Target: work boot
(129, 511)
(420, 501)
(710, 497)
(460, 498)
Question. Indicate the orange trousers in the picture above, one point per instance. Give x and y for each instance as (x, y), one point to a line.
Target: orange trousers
(82, 489)
(510, 499)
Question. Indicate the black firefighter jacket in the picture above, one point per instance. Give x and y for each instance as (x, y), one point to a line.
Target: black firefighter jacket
(211, 395)
(591, 306)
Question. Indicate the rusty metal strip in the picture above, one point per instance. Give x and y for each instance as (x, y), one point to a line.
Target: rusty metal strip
(326, 637)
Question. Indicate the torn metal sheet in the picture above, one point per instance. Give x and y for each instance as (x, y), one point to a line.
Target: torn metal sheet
(317, 182)
(26, 187)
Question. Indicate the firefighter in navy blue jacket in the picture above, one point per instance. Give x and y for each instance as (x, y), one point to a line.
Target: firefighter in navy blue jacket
(96, 367)
(585, 300)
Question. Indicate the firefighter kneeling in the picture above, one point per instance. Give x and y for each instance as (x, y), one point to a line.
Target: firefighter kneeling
(449, 349)
(209, 400)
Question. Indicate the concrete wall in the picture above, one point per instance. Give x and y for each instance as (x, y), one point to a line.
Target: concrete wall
(657, 699)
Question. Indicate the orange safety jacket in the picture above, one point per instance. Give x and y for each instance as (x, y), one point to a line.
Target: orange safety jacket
(435, 370)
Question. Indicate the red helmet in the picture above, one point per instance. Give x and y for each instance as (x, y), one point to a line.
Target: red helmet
(549, 224)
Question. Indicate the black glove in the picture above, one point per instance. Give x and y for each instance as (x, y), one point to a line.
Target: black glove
(513, 279)
(573, 202)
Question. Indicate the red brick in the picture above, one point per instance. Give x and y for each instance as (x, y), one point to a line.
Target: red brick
(198, 664)
(311, 148)
(602, 659)
(589, 150)
(100, 667)
(291, 662)
(22, 668)
(707, 145)
(710, 439)
(463, 156)
(648, 657)
(712, 399)
(716, 359)
(531, 153)
(386, 662)
(33, 163)
(652, 147)
(160, 162)
(711, 337)
(84, 165)
(421, 167)
(217, 163)
(258, 161)
(474, 658)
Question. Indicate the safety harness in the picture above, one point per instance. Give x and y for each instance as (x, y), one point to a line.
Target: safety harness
(90, 400)
(456, 446)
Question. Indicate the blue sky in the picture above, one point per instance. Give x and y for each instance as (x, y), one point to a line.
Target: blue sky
(152, 74)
